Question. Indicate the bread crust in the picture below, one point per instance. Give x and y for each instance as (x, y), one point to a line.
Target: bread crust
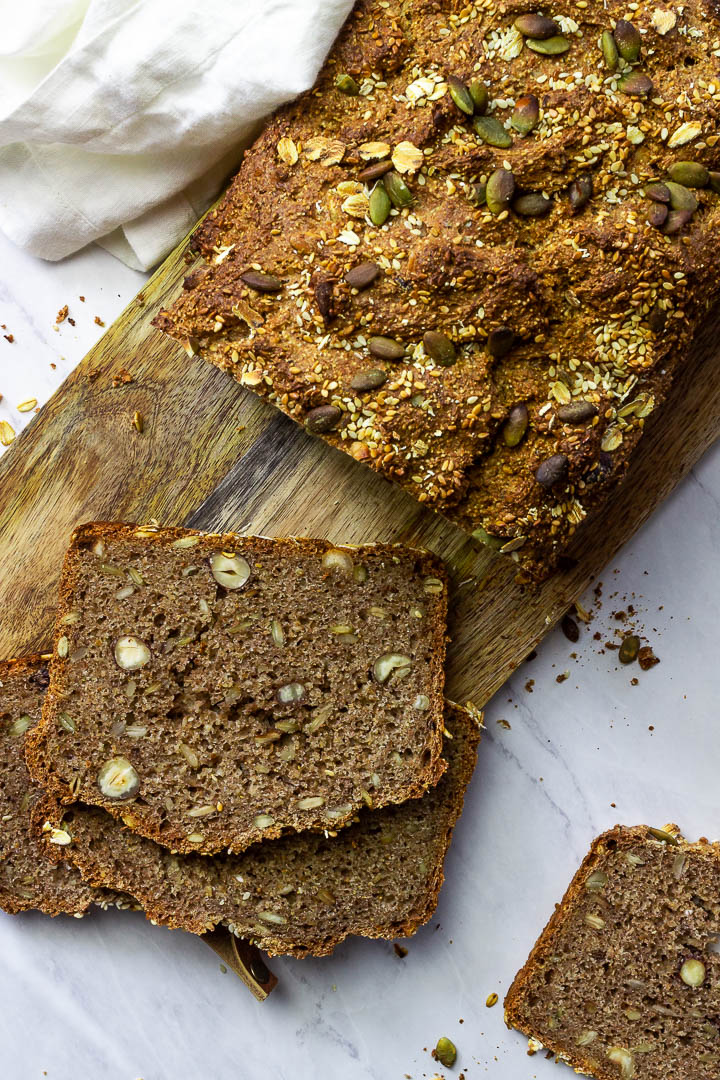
(40, 767)
(51, 812)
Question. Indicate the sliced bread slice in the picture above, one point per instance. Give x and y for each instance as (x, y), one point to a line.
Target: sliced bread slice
(215, 690)
(301, 894)
(624, 981)
(28, 879)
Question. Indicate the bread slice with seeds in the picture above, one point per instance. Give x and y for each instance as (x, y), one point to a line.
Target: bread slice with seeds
(215, 690)
(300, 894)
(29, 880)
(624, 981)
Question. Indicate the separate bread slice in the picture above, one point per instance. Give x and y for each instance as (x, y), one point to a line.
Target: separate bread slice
(300, 894)
(215, 690)
(29, 880)
(624, 981)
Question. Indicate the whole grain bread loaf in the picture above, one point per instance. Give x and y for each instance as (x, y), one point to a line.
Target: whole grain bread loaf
(215, 690)
(28, 878)
(624, 981)
(474, 254)
(300, 894)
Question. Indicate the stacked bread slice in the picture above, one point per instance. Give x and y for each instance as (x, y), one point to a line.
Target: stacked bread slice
(239, 732)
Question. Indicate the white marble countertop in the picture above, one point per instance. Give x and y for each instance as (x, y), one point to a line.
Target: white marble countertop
(111, 997)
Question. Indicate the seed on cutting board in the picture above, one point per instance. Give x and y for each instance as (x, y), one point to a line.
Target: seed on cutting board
(479, 94)
(681, 198)
(500, 190)
(461, 95)
(368, 380)
(577, 412)
(629, 649)
(375, 171)
(261, 282)
(440, 348)
(532, 205)
(610, 52)
(323, 419)
(491, 131)
(690, 173)
(635, 84)
(500, 341)
(386, 348)
(552, 470)
(347, 85)
(658, 193)
(516, 425)
(553, 46)
(628, 40)
(363, 275)
(446, 1052)
(526, 114)
(581, 191)
(379, 205)
(397, 190)
(536, 26)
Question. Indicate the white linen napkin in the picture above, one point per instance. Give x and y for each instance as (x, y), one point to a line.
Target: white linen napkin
(119, 119)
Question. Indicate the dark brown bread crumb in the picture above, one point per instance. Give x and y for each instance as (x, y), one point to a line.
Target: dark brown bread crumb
(215, 690)
(624, 981)
(565, 329)
(300, 894)
(28, 879)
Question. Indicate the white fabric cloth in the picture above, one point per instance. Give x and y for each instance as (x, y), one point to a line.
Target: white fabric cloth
(119, 119)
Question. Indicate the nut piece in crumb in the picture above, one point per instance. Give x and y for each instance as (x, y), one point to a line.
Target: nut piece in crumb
(131, 653)
(117, 779)
(391, 667)
(231, 571)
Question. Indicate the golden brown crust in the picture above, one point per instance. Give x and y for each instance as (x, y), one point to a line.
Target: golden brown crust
(84, 535)
(52, 811)
(602, 303)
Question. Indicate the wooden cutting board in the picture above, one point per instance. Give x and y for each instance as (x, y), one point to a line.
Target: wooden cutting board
(215, 457)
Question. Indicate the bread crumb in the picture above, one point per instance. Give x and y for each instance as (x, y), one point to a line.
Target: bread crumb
(62, 314)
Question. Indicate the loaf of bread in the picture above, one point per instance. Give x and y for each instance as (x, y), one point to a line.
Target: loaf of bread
(300, 894)
(473, 256)
(624, 981)
(215, 690)
(28, 879)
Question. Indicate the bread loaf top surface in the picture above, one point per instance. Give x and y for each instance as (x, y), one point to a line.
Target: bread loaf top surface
(498, 342)
(214, 690)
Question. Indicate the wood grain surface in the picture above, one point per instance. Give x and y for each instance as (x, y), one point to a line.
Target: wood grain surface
(213, 456)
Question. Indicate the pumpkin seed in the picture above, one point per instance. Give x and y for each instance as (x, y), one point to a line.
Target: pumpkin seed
(478, 194)
(689, 173)
(577, 412)
(363, 275)
(323, 419)
(440, 348)
(714, 179)
(536, 26)
(532, 205)
(516, 425)
(581, 191)
(347, 85)
(368, 380)
(379, 208)
(487, 538)
(500, 341)
(552, 470)
(479, 94)
(397, 190)
(386, 348)
(500, 190)
(446, 1052)
(553, 46)
(526, 114)
(676, 220)
(657, 215)
(629, 649)
(658, 193)
(260, 282)
(628, 40)
(635, 84)
(610, 52)
(375, 171)
(491, 131)
(461, 95)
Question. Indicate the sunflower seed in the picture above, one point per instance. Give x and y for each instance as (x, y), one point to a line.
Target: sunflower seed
(363, 275)
(552, 470)
(261, 282)
(577, 412)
